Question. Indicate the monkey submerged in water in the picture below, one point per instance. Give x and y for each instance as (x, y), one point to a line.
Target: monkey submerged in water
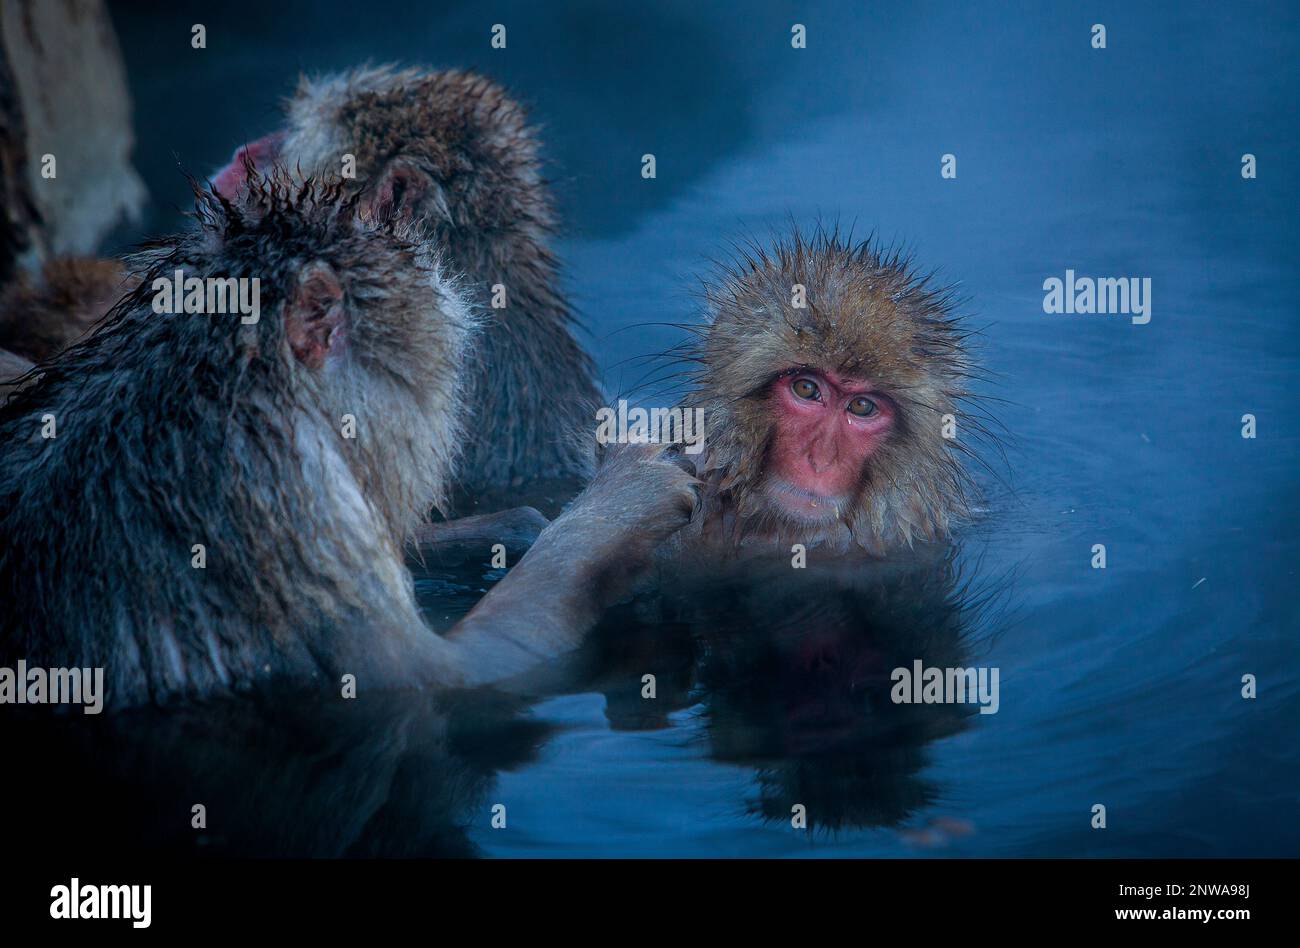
(202, 502)
(831, 377)
(454, 153)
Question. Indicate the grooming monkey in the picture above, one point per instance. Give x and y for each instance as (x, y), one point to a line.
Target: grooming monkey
(227, 530)
(454, 153)
(832, 422)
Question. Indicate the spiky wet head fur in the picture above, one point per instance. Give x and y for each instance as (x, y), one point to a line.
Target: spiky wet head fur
(455, 151)
(461, 128)
(194, 429)
(868, 316)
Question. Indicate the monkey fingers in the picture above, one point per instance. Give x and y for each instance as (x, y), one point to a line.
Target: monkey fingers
(583, 562)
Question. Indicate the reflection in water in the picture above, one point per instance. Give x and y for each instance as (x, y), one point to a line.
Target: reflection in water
(382, 775)
(790, 670)
(791, 673)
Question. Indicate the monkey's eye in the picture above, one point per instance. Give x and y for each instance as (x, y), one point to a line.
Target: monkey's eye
(862, 406)
(806, 388)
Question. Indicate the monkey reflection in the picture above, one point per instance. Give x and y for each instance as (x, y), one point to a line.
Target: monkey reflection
(790, 673)
(383, 775)
(786, 672)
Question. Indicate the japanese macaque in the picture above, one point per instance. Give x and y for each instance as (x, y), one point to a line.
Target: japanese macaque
(454, 153)
(217, 498)
(832, 377)
(43, 314)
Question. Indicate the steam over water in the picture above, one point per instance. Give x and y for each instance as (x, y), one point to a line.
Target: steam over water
(1118, 686)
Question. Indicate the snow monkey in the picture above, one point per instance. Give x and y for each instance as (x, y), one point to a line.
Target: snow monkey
(454, 153)
(206, 501)
(42, 314)
(832, 377)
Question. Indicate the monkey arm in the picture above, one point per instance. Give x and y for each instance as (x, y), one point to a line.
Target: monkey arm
(582, 563)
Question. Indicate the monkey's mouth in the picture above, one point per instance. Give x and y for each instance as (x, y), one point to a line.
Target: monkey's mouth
(804, 505)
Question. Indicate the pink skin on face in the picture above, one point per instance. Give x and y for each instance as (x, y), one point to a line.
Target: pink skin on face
(262, 152)
(827, 426)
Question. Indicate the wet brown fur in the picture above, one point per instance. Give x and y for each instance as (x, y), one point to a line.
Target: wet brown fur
(42, 315)
(185, 430)
(487, 207)
(869, 315)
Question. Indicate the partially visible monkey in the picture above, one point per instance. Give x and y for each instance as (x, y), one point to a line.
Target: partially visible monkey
(833, 380)
(200, 503)
(454, 153)
(63, 88)
(11, 368)
(42, 315)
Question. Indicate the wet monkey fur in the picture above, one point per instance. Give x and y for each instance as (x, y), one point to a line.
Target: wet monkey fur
(43, 313)
(180, 431)
(842, 422)
(454, 153)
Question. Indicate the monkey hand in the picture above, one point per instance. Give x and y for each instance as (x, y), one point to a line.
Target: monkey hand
(606, 539)
(584, 561)
(641, 495)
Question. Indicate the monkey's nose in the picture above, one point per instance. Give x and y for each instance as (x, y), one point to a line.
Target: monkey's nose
(820, 466)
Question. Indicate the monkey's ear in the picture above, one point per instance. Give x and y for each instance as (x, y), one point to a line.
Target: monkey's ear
(401, 190)
(313, 315)
(258, 156)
